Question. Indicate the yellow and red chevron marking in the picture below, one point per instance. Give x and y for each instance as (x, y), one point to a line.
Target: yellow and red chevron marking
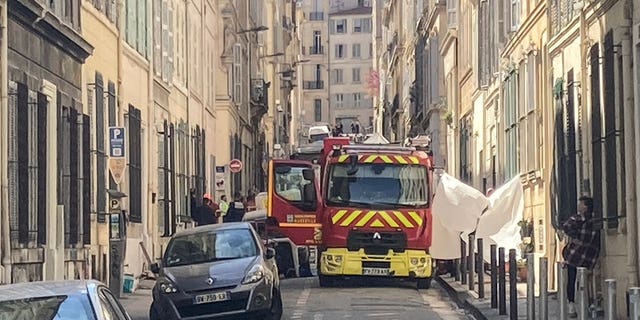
(377, 219)
(381, 158)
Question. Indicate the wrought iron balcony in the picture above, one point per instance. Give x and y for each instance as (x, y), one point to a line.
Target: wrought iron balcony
(316, 16)
(259, 98)
(313, 85)
(316, 50)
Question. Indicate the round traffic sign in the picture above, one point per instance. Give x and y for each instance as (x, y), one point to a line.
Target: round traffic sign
(235, 166)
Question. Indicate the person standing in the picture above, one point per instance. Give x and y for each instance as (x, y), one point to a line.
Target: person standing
(206, 213)
(224, 205)
(236, 210)
(583, 247)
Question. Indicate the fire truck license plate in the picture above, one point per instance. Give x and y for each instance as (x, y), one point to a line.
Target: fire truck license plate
(375, 271)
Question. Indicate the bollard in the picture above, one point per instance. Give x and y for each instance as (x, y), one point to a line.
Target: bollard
(502, 294)
(634, 303)
(494, 277)
(480, 269)
(531, 288)
(581, 293)
(463, 262)
(472, 262)
(513, 285)
(544, 297)
(457, 271)
(562, 290)
(610, 306)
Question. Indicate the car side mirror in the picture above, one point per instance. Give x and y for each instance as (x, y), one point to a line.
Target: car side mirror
(271, 253)
(155, 268)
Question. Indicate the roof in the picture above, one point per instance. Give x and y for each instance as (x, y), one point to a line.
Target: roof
(376, 138)
(353, 11)
(37, 289)
(214, 227)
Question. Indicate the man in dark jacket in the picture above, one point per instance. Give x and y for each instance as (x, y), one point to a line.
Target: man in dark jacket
(236, 210)
(206, 213)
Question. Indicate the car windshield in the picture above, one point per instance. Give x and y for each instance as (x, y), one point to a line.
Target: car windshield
(210, 246)
(371, 184)
(75, 307)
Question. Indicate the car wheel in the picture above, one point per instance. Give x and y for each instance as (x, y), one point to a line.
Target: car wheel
(275, 313)
(424, 283)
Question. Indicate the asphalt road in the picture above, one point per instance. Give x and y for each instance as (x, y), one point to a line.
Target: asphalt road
(305, 300)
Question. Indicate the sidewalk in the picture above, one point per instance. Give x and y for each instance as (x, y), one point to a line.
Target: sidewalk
(137, 303)
(481, 308)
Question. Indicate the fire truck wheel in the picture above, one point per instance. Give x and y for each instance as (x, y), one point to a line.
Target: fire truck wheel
(326, 281)
(424, 283)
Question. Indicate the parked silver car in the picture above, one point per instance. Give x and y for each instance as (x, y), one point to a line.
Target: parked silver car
(217, 271)
(60, 300)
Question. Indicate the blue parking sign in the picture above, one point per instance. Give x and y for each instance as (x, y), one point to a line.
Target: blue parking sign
(116, 142)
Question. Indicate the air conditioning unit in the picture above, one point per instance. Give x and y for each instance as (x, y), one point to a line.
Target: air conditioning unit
(257, 90)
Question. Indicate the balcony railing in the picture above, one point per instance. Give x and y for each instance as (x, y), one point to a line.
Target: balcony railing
(316, 50)
(316, 16)
(313, 85)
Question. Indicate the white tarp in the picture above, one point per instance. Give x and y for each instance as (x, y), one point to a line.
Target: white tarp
(459, 210)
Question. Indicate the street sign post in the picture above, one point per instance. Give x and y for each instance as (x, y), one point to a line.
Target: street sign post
(235, 166)
(117, 156)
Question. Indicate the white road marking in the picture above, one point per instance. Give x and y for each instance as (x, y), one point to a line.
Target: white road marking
(301, 303)
(443, 308)
(318, 316)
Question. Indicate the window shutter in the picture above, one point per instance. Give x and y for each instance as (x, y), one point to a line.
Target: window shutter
(131, 27)
(170, 28)
(157, 37)
(164, 41)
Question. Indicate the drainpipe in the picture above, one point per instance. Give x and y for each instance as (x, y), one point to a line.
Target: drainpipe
(5, 266)
(636, 121)
(630, 146)
(148, 219)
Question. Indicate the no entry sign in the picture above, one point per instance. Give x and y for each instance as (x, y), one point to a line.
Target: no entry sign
(235, 166)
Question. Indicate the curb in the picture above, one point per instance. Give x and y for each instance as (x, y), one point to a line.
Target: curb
(460, 300)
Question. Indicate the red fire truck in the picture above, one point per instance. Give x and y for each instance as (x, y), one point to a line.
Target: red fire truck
(370, 216)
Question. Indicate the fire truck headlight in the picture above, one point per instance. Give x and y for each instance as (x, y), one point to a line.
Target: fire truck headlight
(423, 260)
(414, 261)
(338, 259)
(329, 257)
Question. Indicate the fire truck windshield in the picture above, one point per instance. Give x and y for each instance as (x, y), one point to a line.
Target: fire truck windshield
(378, 185)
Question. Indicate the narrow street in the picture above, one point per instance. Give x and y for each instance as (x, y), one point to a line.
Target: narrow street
(305, 300)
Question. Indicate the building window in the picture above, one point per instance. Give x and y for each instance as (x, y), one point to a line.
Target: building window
(355, 75)
(356, 50)
(182, 177)
(338, 26)
(339, 100)
(357, 99)
(515, 15)
(466, 153)
(452, 13)
(362, 25)
(237, 73)
(198, 141)
(340, 51)
(317, 107)
(510, 111)
(27, 166)
(532, 154)
(166, 180)
(135, 164)
(337, 76)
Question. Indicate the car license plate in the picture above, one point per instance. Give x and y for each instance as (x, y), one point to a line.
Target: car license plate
(211, 297)
(375, 271)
